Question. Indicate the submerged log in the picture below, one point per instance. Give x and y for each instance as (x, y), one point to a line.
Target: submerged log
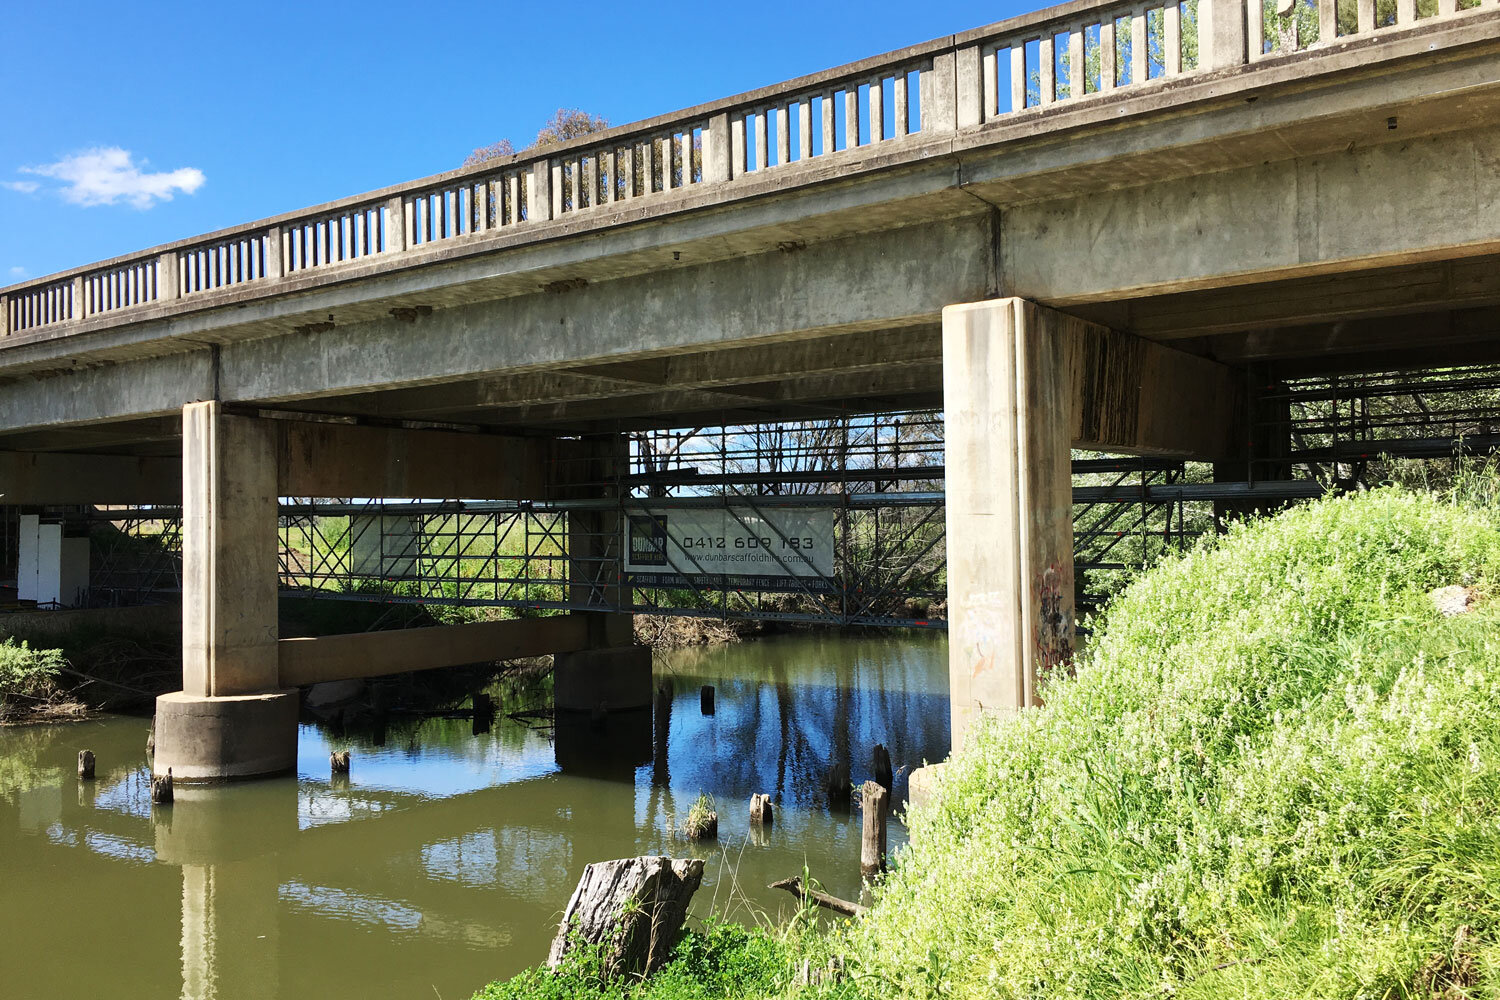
(86, 765)
(634, 907)
(161, 789)
(794, 886)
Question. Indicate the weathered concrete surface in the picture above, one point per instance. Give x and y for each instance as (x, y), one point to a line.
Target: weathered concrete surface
(44, 628)
(340, 460)
(31, 478)
(921, 785)
(619, 678)
(1423, 199)
(884, 280)
(229, 548)
(1006, 412)
(216, 738)
(1022, 385)
(371, 654)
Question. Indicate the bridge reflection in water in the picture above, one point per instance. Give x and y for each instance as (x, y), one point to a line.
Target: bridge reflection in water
(446, 859)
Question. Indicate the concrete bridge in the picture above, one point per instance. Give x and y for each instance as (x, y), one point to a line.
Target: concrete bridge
(1087, 226)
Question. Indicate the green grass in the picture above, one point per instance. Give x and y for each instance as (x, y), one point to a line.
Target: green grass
(1274, 774)
(721, 961)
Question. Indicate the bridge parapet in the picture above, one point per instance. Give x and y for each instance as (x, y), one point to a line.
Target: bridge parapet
(1063, 55)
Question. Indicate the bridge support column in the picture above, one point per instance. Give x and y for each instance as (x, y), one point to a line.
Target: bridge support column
(230, 720)
(613, 670)
(1022, 386)
(1006, 406)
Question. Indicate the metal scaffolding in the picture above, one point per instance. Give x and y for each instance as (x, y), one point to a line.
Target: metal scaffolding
(874, 479)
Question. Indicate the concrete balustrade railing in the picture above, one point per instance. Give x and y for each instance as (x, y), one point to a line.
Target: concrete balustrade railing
(1310, 23)
(1059, 56)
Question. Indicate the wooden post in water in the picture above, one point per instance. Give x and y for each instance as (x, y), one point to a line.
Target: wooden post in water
(484, 714)
(161, 789)
(880, 767)
(837, 785)
(85, 765)
(760, 809)
(872, 841)
(706, 699)
(338, 762)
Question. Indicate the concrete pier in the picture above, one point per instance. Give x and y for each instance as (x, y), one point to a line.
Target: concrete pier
(231, 719)
(1022, 386)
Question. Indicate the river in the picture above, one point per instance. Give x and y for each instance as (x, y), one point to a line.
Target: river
(446, 858)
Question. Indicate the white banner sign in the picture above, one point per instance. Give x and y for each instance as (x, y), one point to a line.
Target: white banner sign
(776, 549)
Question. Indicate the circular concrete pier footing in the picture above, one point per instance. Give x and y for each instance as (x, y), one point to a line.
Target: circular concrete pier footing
(217, 739)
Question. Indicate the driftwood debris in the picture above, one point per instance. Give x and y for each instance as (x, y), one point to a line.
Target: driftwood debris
(760, 809)
(85, 765)
(794, 886)
(876, 801)
(634, 907)
(161, 789)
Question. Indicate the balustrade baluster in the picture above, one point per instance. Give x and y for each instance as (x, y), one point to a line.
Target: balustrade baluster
(1171, 55)
(1107, 54)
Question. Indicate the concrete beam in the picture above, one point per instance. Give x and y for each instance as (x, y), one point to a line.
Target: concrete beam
(722, 369)
(341, 460)
(1427, 199)
(373, 654)
(1130, 395)
(31, 478)
(893, 279)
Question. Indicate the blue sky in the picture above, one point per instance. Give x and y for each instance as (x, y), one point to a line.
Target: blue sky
(129, 125)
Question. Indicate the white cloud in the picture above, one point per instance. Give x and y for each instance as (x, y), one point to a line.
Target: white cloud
(106, 176)
(19, 272)
(25, 187)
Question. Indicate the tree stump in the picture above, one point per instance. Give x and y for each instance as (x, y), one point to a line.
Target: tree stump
(872, 840)
(634, 907)
(338, 762)
(85, 765)
(760, 809)
(880, 767)
(161, 789)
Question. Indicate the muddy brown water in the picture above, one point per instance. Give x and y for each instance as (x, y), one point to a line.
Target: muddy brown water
(446, 859)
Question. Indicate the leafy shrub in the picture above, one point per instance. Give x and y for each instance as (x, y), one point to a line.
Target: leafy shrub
(27, 672)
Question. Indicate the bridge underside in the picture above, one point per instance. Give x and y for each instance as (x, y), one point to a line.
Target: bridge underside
(1124, 283)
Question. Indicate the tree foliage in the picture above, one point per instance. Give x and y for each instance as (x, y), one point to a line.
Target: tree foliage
(565, 124)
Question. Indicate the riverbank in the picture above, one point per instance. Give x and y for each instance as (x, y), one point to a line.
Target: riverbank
(1276, 772)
